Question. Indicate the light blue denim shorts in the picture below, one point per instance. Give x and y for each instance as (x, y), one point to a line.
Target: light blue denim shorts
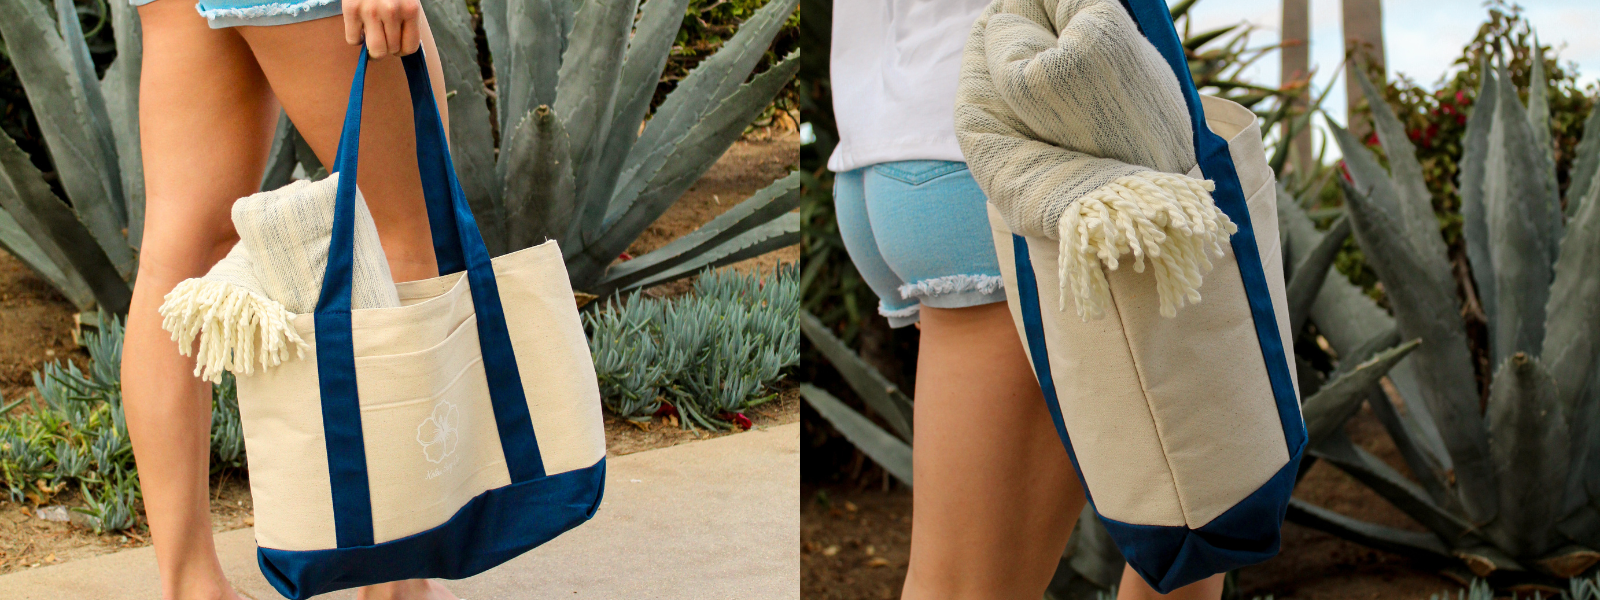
(233, 13)
(918, 232)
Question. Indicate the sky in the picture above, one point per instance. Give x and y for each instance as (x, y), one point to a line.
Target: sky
(1421, 37)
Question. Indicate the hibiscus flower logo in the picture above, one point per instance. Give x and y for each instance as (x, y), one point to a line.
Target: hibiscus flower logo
(440, 432)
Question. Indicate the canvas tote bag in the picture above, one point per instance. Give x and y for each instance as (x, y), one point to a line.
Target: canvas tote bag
(1186, 431)
(436, 439)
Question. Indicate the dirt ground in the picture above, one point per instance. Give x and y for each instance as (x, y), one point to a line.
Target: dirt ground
(855, 542)
(36, 328)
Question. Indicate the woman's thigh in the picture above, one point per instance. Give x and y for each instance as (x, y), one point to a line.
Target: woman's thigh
(206, 117)
(310, 67)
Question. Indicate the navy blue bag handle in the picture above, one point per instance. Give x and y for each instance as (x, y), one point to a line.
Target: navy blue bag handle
(458, 246)
(1216, 163)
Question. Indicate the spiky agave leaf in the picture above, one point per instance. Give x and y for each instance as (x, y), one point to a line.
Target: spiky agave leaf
(586, 89)
(648, 51)
(716, 77)
(1474, 158)
(1394, 487)
(1530, 445)
(781, 232)
(57, 232)
(62, 107)
(16, 240)
(99, 121)
(121, 88)
(1539, 114)
(878, 393)
(1573, 312)
(1411, 202)
(280, 159)
(1349, 320)
(539, 183)
(879, 445)
(1571, 351)
(537, 53)
(682, 163)
(1519, 204)
(1327, 410)
(1586, 167)
(1389, 539)
(1312, 271)
(1426, 308)
(762, 207)
(471, 130)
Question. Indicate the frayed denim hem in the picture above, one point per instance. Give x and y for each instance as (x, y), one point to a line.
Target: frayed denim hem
(901, 317)
(956, 291)
(275, 13)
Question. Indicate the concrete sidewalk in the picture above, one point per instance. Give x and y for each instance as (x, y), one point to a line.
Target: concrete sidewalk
(704, 520)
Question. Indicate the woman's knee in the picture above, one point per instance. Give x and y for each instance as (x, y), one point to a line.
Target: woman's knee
(172, 253)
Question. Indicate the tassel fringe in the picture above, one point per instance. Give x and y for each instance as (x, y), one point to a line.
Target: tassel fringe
(1171, 219)
(237, 328)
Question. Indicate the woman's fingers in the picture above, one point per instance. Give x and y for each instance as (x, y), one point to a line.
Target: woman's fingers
(388, 27)
(411, 37)
(377, 40)
(352, 22)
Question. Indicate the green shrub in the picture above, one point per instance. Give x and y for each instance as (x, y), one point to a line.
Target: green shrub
(709, 355)
(76, 434)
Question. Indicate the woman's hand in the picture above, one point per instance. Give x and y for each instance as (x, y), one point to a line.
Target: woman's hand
(389, 27)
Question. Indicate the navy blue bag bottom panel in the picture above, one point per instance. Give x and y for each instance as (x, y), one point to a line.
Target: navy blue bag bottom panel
(494, 527)
(1248, 533)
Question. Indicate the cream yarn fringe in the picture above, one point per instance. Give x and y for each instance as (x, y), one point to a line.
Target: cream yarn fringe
(237, 328)
(1169, 218)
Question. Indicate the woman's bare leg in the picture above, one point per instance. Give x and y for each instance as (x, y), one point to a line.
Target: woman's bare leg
(310, 67)
(206, 119)
(995, 495)
(1133, 587)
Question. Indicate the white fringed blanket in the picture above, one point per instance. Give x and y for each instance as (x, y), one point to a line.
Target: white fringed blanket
(242, 310)
(1077, 131)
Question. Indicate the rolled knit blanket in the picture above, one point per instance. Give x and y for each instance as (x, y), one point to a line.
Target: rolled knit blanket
(243, 309)
(1077, 131)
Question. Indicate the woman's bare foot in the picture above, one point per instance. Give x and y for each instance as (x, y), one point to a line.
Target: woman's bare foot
(410, 589)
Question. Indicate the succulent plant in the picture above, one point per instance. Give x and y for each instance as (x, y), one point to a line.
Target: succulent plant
(574, 81)
(77, 432)
(711, 354)
(1504, 477)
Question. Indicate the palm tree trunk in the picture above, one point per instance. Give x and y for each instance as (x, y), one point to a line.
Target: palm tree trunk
(1363, 42)
(1296, 40)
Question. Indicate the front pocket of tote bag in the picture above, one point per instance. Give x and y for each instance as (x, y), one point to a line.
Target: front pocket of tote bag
(429, 431)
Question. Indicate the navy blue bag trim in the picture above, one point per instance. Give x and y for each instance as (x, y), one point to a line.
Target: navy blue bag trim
(458, 246)
(493, 527)
(1166, 557)
(1216, 163)
(1170, 557)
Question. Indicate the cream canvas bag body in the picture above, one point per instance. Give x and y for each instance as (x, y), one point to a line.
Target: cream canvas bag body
(435, 439)
(1186, 430)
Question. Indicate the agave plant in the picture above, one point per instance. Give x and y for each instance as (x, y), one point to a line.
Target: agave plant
(1507, 478)
(90, 125)
(574, 81)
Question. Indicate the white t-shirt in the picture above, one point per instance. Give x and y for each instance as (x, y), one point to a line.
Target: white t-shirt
(894, 69)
